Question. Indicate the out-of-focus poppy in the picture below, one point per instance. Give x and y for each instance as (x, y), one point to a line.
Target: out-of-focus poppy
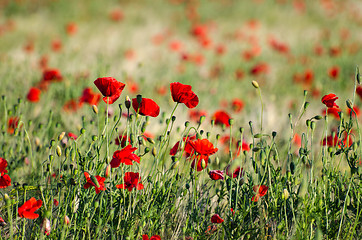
(237, 104)
(116, 15)
(52, 75)
(110, 88)
(148, 107)
(200, 150)
(333, 72)
(234, 173)
(122, 140)
(33, 94)
(27, 210)
(195, 114)
(154, 237)
(260, 68)
(71, 28)
(216, 219)
(216, 174)
(13, 123)
(221, 117)
(131, 180)
(182, 93)
(90, 97)
(125, 156)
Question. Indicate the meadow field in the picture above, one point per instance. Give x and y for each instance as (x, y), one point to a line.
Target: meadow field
(180, 119)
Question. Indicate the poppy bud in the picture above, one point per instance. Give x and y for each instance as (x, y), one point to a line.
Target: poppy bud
(306, 104)
(60, 137)
(95, 109)
(94, 138)
(217, 137)
(127, 102)
(308, 122)
(187, 123)
(212, 122)
(231, 121)
(305, 93)
(285, 194)
(175, 165)
(241, 130)
(150, 140)
(318, 117)
(349, 104)
(358, 77)
(202, 118)
(203, 163)
(258, 135)
(147, 150)
(173, 118)
(154, 152)
(255, 84)
(139, 99)
(59, 151)
(51, 143)
(312, 125)
(187, 186)
(72, 154)
(107, 172)
(7, 199)
(274, 134)
(82, 131)
(66, 220)
(51, 157)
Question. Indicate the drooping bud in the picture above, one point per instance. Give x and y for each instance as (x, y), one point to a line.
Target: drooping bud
(127, 102)
(150, 140)
(59, 151)
(95, 109)
(255, 84)
(60, 137)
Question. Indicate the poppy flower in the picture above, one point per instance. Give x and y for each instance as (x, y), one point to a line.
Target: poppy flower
(124, 156)
(334, 111)
(72, 135)
(331, 140)
(71, 105)
(216, 174)
(131, 180)
(116, 15)
(89, 97)
(259, 68)
(148, 107)
(238, 171)
(99, 185)
(5, 180)
(56, 45)
(3, 165)
(216, 219)
(221, 117)
(188, 147)
(56, 202)
(2, 222)
(154, 237)
(359, 91)
(195, 114)
(329, 100)
(333, 72)
(239, 74)
(29, 207)
(52, 75)
(13, 123)
(182, 93)
(260, 192)
(202, 149)
(237, 105)
(33, 94)
(110, 88)
(71, 28)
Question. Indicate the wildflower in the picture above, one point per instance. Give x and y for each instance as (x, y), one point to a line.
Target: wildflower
(216, 174)
(71, 106)
(260, 192)
(182, 93)
(52, 75)
(333, 111)
(195, 114)
(131, 180)
(71, 28)
(90, 97)
(237, 105)
(188, 147)
(359, 91)
(72, 135)
(122, 140)
(29, 207)
(97, 182)
(259, 69)
(56, 202)
(201, 150)
(33, 94)
(333, 72)
(116, 15)
(2, 222)
(329, 100)
(216, 219)
(238, 171)
(56, 45)
(110, 88)
(148, 107)
(124, 156)
(13, 123)
(5, 180)
(154, 237)
(221, 117)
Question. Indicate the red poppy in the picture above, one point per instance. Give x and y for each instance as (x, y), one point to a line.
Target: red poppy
(71, 106)
(359, 91)
(29, 207)
(90, 97)
(195, 114)
(334, 111)
(188, 147)
(329, 100)
(5, 180)
(221, 117)
(182, 93)
(237, 104)
(330, 141)
(259, 68)
(33, 94)
(56, 45)
(239, 74)
(3, 165)
(355, 109)
(154, 237)
(56, 202)
(13, 123)
(125, 156)
(52, 75)
(238, 171)
(2, 222)
(116, 15)
(297, 140)
(110, 88)
(216, 174)
(260, 192)
(148, 107)
(72, 135)
(216, 219)
(333, 72)
(131, 180)
(278, 46)
(71, 28)
(99, 185)
(201, 149)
